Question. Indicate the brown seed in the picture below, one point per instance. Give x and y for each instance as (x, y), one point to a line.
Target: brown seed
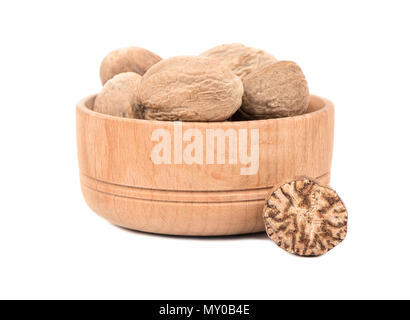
(240, 59)
(305, 218)
(278, 90)
(119, 96)
(190, 89)
(132, 59)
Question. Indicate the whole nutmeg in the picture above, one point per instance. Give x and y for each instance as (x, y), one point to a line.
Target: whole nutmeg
(190, 89)
(131, 59)
(278, 90)
(119, 96)
(240, 59)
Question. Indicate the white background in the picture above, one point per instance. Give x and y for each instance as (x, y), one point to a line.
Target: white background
(355, 53)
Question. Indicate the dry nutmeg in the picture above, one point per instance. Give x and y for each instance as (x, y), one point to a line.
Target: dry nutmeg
(240, 59)
(305, 218)
(189, 89)
(131, 59)
(119, 96)
(278, 90)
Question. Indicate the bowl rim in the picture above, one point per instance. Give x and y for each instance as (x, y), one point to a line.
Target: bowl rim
(327, 104)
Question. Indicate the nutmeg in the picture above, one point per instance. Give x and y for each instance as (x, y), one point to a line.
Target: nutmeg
(190, 89)
(305, 218)
(119, 96)
(131, 59)
(277, 90)
(240, 59)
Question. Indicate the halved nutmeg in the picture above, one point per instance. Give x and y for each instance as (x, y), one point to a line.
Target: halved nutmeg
(305, 218)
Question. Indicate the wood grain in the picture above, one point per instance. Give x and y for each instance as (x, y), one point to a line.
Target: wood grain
(122, 184)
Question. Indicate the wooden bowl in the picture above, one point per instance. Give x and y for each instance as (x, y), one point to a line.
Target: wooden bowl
(139, 173)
